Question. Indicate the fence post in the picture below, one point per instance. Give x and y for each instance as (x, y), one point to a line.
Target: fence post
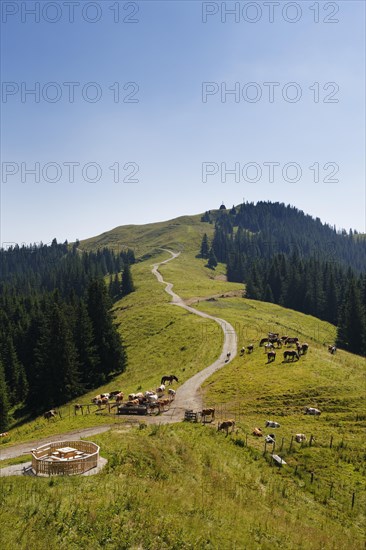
(353, 499)
(311, 440)
(331, 490)
(331, 442)
(312, 477)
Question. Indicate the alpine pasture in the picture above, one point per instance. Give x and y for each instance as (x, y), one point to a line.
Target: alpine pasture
(182, 486)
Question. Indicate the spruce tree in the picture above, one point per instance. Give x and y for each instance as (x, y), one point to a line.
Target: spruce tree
(86, 348)
(212, 261)
(57, 374)
(111, 354)
(4, 402)
(127, 285)
(352, 324)
(204, 252)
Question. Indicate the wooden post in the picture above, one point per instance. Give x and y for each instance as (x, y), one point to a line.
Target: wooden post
(274, 447)
(331, 442)
(353, 499)
(246, 440)
(296, 469)
(82, 410)
(311, 440)
(331, 490)
(312, 477)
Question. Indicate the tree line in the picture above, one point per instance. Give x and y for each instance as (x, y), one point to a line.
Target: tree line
(57, 333)
(288, 258)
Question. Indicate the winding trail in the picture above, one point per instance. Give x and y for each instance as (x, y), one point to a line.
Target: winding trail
(188, 395)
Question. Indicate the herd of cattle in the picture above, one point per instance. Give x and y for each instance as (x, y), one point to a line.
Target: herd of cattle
(153, 399)
(273, 341)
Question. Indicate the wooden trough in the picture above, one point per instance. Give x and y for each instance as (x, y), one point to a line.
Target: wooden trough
(138, 410)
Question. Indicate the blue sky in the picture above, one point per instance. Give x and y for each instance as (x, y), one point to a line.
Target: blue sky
(169, 131)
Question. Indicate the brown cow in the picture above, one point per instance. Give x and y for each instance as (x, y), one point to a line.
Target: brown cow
(226, 425)
(208, 412)
(258, 432)
(49, 414)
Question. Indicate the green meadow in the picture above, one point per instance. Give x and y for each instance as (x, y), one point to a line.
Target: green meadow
(188, 486)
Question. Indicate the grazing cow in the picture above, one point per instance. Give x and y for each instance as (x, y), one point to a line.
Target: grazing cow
(161, 404)
(273, 335)
(263, 341)
(131, 396)
(114, 393)
(304, 348)
(77, 407)
(172, 393)
(100, 399)
(291, 340)
(160, 390)
(271, 438)
(299, 438)
(105, 395)
(268, 347)
(311, 410)
(132, 403)
(284, 338)
(169, 379)
(49, 414)
(151, 397)
(226, 425)
(272, 424)
(258, 432)
(242, 351)
(208, 412)
(4, 434)
(119, 398)
(292, 354)
(332, 349)
(250, 348)
(271, 356)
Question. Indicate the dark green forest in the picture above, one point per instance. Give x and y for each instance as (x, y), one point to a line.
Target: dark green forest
(57, 336)
(289, 258)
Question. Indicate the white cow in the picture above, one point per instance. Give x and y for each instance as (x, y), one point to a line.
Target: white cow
(311, 410)
(272, 424)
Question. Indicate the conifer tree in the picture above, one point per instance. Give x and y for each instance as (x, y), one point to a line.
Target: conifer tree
(57, 374)
(111, 354)
(204, 252)
(4, 402)
(212, 261)
(127, 285)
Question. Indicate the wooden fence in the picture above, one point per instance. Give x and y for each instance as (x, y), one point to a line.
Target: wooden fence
(42, 465)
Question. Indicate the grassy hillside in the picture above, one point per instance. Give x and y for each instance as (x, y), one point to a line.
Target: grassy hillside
(188, 486)
(174, 487)
(184, 233)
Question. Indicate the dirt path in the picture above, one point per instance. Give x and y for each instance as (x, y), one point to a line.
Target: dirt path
(188, 394)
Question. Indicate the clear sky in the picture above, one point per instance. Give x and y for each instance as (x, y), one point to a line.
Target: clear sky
(293, 130)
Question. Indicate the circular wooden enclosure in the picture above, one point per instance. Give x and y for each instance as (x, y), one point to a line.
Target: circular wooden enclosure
(65, 458)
